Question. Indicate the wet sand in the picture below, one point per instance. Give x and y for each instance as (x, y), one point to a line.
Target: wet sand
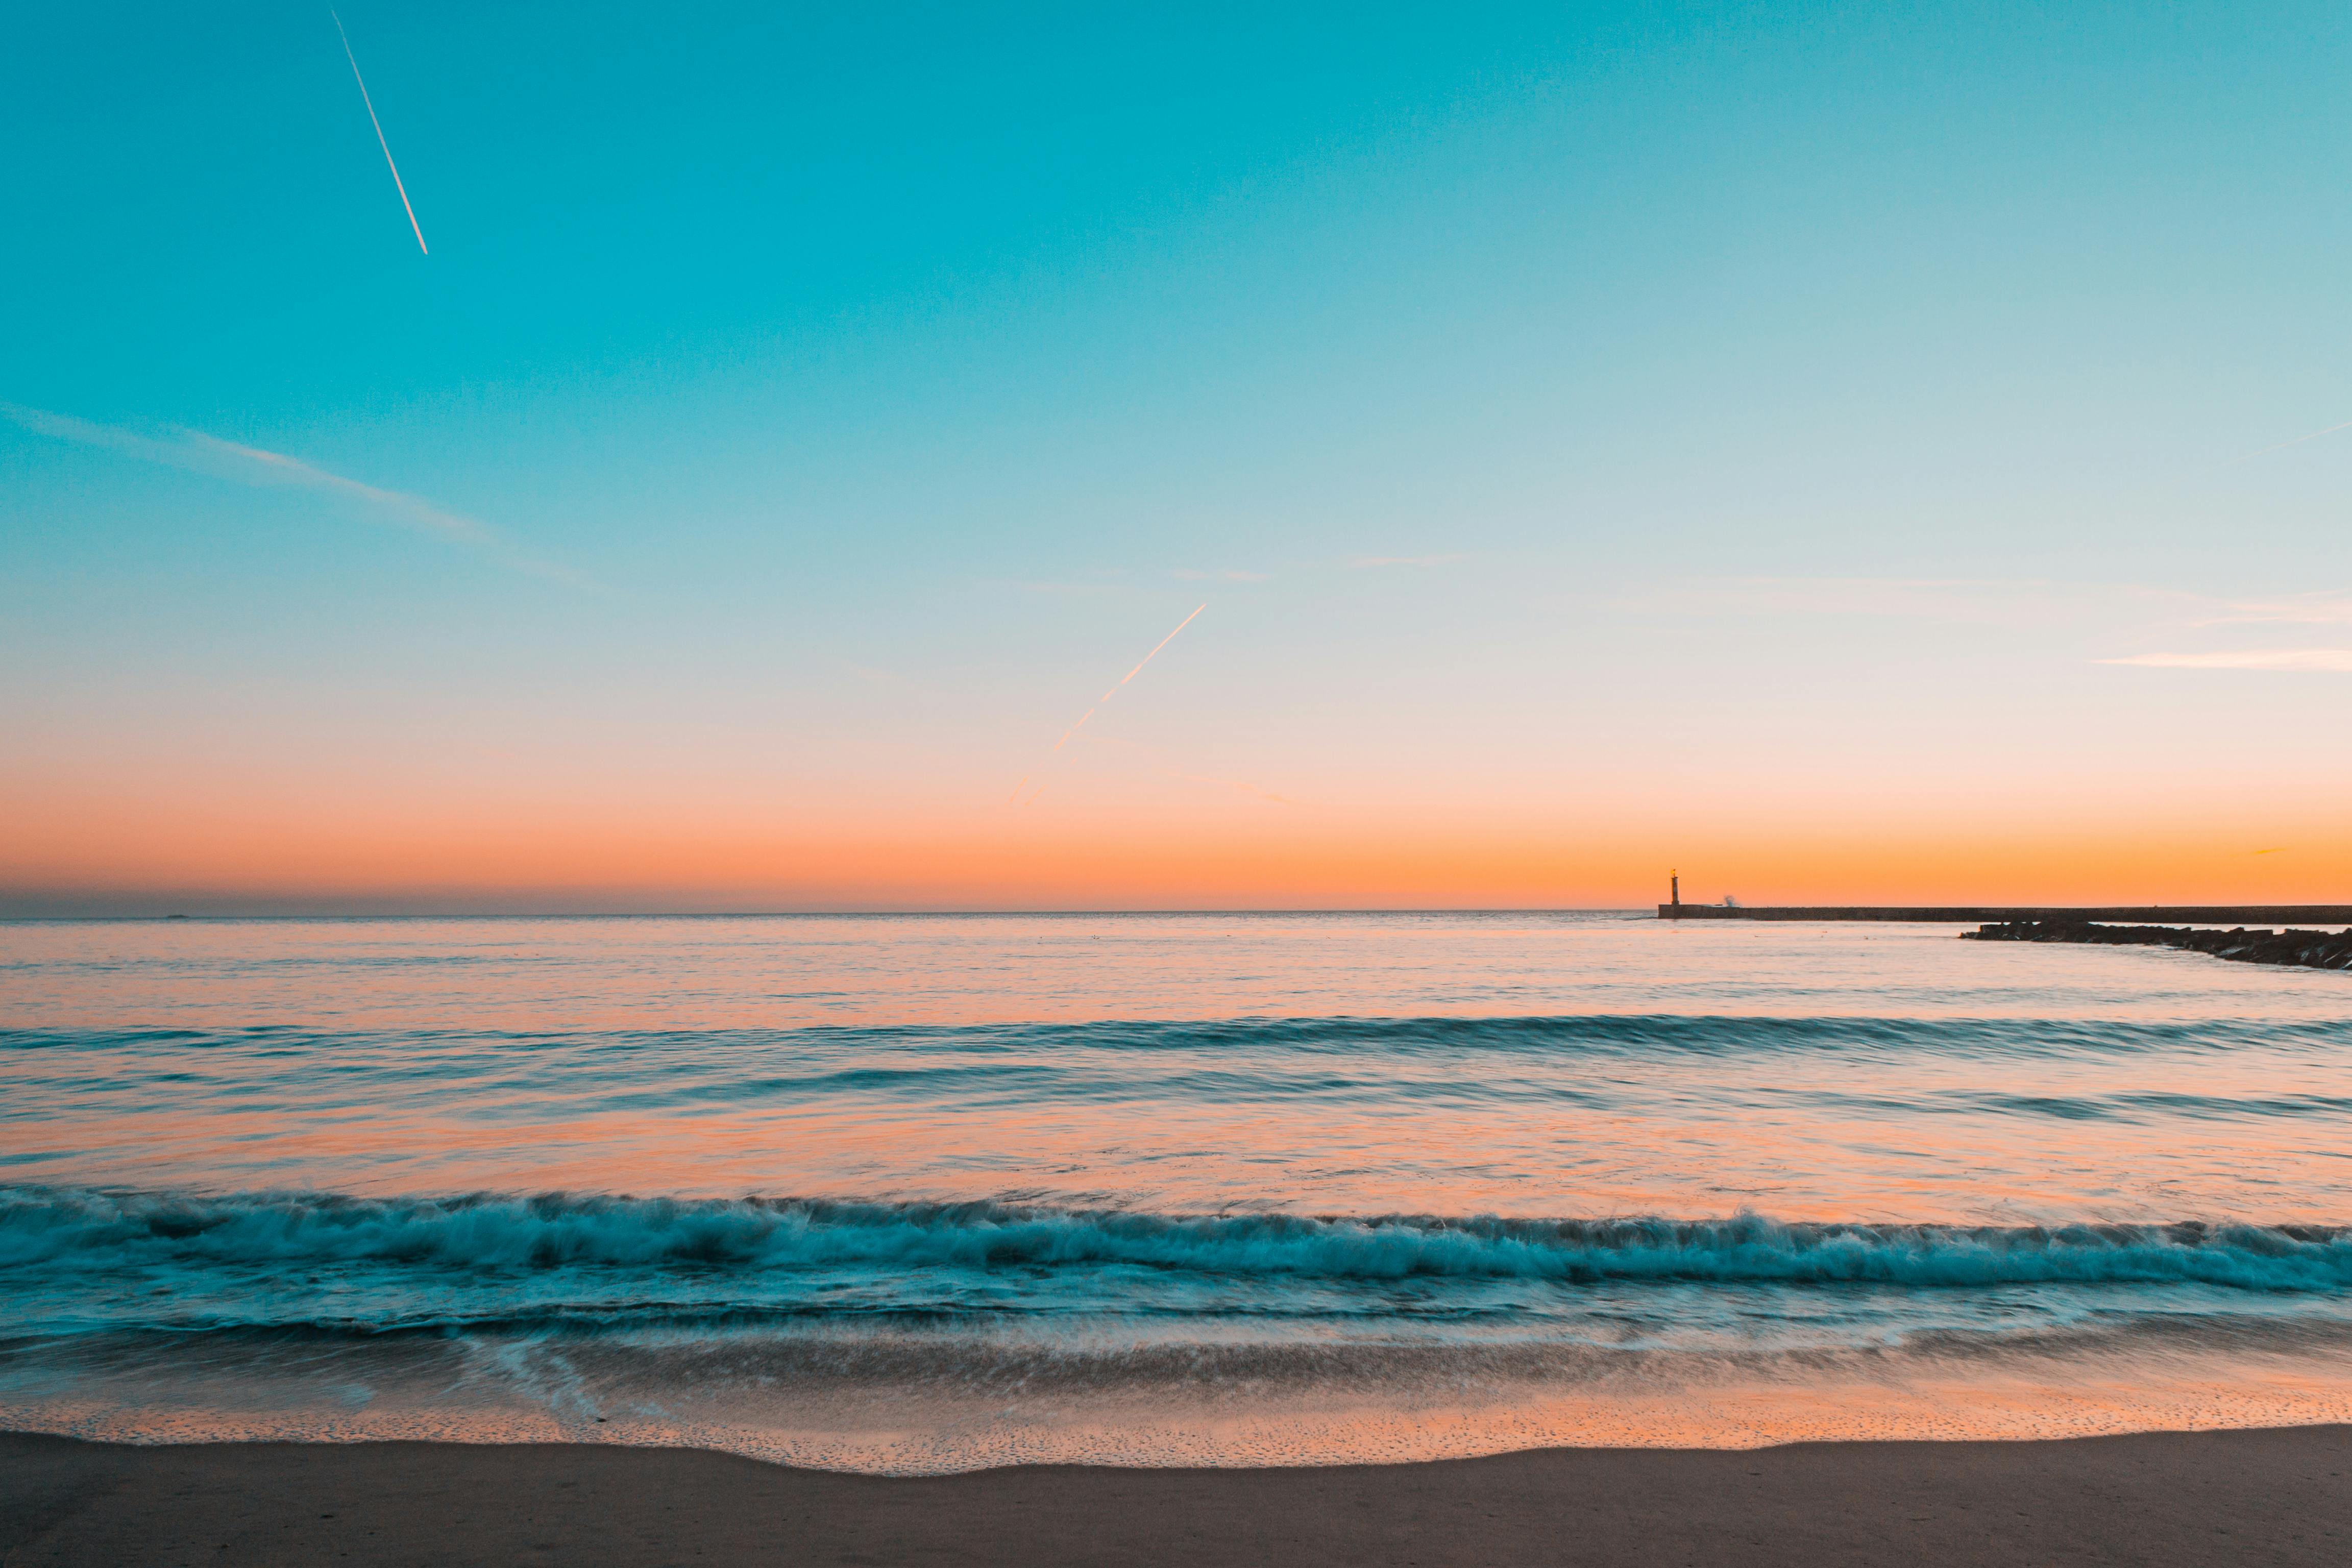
(2278, 1496)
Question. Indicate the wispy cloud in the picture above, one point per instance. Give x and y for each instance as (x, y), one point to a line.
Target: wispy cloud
(2111, 611)
(198, 453)
(2332, 661)
(1951, 598)
(1188, 574)
(2300, 609)
(1110, 580)
(877, 675)
(1370, 562)
(2020, 600)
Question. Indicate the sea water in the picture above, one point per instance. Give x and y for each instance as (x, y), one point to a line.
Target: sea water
(916, 1192)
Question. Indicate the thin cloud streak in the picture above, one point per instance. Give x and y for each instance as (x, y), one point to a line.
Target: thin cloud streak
(2304, 610)
(1373, 562)
(196, 452)
(2329, 660)
(1985, 599)
(1980, 599)
(1074, 590)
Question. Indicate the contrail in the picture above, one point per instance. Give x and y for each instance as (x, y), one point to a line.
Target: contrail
(2282, 445)
(1015, 798)
(379, 130)
(1123, 680)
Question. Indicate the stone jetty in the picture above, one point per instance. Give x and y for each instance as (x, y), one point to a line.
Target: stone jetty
(2304, 949)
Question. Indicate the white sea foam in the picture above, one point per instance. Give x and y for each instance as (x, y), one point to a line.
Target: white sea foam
(86, 1230)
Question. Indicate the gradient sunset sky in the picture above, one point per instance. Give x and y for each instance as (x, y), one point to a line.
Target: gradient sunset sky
(1865, 452)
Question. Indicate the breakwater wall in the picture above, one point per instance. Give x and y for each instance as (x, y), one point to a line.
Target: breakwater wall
(2303, 948)
(1971, 914)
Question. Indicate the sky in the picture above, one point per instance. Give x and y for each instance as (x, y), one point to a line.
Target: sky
(1839, 453)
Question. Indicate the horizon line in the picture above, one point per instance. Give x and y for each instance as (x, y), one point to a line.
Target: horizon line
(957, 914)
(1077, 913)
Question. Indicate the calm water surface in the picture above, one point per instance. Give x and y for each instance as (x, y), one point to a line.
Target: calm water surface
(919, 1192)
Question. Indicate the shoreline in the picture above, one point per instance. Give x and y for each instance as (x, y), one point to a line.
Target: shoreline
(2272, 1494)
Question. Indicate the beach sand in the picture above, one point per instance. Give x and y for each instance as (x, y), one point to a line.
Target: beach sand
(2276, 1496)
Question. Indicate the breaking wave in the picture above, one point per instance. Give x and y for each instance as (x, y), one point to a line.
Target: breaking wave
(47, 1230)
(1594, 1034)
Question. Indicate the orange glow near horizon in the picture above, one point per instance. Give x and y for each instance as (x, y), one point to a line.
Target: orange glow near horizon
(1590, 857)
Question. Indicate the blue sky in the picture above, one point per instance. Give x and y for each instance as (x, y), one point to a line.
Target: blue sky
(808, 411)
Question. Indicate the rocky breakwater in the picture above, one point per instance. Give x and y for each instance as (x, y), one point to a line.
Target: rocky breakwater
(2304, 949)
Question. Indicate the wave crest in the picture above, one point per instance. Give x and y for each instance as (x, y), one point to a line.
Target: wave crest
(82, 1229)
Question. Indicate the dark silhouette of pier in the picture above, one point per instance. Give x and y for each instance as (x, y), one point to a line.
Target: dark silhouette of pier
(2012, 914)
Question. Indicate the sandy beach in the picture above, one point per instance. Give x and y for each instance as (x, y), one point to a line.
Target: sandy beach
(2278, 1496)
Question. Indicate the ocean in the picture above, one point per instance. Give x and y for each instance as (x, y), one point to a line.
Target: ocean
(909, 1193)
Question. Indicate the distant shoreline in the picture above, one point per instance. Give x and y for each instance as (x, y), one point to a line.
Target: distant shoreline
(2276, 1495)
